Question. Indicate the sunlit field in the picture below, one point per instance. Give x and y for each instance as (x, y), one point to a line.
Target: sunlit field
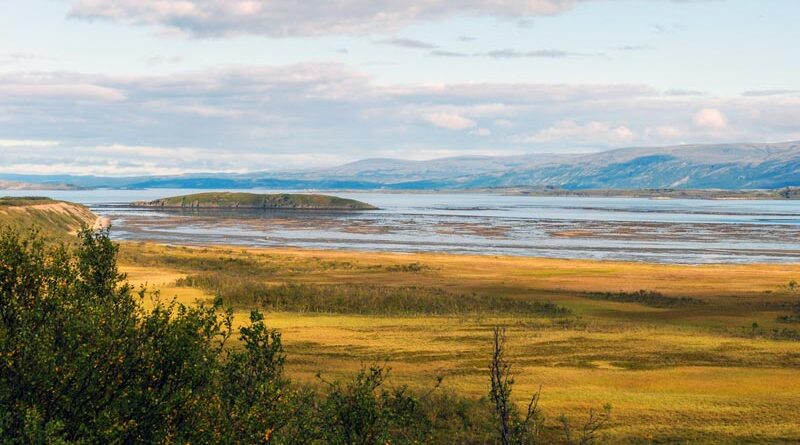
(702, 354)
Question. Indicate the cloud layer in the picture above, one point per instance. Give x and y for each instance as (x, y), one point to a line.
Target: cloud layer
(272, 118)
(279, 18)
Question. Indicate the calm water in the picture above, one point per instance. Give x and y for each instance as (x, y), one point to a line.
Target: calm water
(675, 231)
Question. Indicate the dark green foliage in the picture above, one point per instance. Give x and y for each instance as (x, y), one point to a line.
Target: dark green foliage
(362, 412)
(457, 420)
(81, 361)
(243, 291)
(792, 288)
(793, 317)
(645, 297)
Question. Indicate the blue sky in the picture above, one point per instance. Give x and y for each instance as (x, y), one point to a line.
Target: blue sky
(172, 86)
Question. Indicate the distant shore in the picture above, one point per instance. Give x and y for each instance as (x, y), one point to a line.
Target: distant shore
(711, 194)
(789, 193)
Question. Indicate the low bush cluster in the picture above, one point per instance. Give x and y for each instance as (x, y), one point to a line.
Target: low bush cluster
(645, 297)
(252, 292)
(793, 317)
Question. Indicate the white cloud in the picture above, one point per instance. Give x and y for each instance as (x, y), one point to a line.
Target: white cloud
(26, 143)
(53, 90)
(590, 132)
(104, 169)
(450, 121)
(664, 132)
(278, 18)
(481, 132)
(138, 160)
(710, 118)
(407, 43)
(261, 118)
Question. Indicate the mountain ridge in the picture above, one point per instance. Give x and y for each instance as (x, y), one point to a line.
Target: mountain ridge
(731, 166)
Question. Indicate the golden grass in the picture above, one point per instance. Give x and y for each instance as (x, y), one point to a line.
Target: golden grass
(687, 374)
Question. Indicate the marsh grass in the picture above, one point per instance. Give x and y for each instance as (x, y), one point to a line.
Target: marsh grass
(409, 267)
(793, 317)
(687, 372)
(646, 298)
(366, 299)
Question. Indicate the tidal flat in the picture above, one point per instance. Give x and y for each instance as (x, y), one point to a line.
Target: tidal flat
(628, 229)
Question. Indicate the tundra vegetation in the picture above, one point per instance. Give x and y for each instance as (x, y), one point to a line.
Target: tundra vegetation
(705, 354)
(680, 361)
(84, 360)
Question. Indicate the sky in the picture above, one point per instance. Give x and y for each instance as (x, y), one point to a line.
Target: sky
(145, 87)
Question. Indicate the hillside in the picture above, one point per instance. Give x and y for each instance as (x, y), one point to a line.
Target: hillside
(721, 166)
(725, 166)
(401, 171)
(52, 217)
(229, 200)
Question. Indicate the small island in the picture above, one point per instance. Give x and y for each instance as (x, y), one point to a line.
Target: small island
(282, 201)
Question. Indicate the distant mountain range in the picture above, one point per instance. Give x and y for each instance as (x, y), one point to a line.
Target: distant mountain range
(722, 166)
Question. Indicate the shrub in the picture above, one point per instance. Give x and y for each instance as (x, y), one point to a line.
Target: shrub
(793, 317)
(645, 297)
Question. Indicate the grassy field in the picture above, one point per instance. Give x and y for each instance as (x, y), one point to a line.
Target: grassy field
(705, 354)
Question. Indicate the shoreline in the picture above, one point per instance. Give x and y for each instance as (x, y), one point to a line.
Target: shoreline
(433, 255)
(785, 194)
